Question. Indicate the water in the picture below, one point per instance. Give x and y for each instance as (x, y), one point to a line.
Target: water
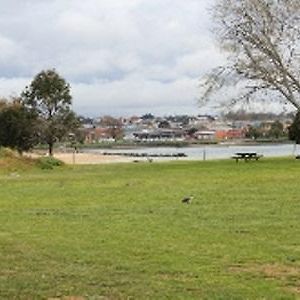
(210, 151)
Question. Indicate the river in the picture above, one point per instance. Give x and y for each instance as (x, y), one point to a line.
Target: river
(209, 151)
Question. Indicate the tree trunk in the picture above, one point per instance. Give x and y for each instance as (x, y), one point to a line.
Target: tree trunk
(50, 147)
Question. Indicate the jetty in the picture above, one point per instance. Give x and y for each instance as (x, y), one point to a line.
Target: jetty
(135, 154)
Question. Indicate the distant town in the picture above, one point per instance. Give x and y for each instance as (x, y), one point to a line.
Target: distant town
(186, 129)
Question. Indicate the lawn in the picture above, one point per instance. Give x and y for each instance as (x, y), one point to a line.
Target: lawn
(120, 231)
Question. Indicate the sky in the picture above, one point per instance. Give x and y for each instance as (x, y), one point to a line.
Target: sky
(121, 57)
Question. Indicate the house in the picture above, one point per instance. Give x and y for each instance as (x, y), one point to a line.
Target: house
(228, 134)
(159, 135)
(207, 135)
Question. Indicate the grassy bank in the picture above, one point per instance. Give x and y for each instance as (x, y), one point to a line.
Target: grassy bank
(121, 232)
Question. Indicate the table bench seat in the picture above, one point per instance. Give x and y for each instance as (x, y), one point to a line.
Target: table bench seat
(246, 156)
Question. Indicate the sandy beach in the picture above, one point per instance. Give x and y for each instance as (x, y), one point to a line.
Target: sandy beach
(85, 158)
(90, 158)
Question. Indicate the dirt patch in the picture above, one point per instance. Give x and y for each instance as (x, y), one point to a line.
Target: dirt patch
(280, 271)
(277, 271)
(287, 275)
(68, 298)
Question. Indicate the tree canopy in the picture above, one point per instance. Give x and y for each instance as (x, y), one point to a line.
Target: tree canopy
(49, 97)
(18, 126)
(261, 38)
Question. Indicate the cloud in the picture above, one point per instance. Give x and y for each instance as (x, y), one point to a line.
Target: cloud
(12, 87)
(8, 47)
(120, 56)
(145, 96)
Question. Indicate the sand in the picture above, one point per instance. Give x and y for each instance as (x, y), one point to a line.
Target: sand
(85, 158)
(90, 158)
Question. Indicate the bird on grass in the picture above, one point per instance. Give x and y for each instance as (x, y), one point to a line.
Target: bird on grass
(187, 200)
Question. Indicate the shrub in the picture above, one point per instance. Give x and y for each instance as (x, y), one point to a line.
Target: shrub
(7, 153)
(49, 162)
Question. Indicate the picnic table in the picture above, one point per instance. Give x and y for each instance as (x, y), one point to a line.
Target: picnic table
(246, 156)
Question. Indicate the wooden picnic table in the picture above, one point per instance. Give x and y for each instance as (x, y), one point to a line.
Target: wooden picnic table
(246, 156)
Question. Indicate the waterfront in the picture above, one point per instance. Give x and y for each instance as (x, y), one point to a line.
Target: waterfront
(207, 151)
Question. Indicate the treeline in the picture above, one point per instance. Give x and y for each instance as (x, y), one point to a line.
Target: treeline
(41, 114)
(276, 130)
(242, 115)
(273, 130)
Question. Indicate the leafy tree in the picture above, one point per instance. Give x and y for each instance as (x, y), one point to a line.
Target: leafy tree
(3, 103)
(276, 130)
(49, 97)
(148, 116)
(294, 129)
(191, 131)
(164, 124)
(17, 126)
(253, 133)
(261, 38)
(114, 127)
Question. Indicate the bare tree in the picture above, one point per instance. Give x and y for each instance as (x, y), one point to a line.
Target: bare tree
(262, 39)
(114, 127)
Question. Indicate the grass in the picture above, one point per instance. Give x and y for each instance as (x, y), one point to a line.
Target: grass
(120, 231)
(11, 160)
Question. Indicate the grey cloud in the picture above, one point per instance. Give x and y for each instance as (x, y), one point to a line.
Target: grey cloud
(120, 55)
(145, 96)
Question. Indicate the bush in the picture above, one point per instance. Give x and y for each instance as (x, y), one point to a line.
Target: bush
(49, 162)
(7, 153)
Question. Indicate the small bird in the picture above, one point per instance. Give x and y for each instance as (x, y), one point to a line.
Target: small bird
(187, 200)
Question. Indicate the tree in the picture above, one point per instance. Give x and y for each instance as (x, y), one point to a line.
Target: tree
(191, 132)
(253, 133)
(17, 126)
(148, 116)
(276, 130)
(114, 127)
(3, 103)
(261, 38)
(49, 97)
(164, 124)
(294, 129)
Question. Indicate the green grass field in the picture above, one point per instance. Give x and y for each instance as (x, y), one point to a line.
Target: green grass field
(120, 231)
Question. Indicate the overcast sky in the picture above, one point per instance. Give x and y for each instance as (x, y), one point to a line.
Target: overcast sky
(121, 57)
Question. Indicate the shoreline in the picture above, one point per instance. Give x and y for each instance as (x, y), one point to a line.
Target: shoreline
(241, 142)
(89, 158)
(207, 152)
(70, 158)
